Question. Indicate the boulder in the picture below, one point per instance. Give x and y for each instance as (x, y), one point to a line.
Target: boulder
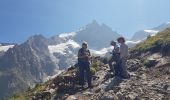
(72, 97)
(150, 63)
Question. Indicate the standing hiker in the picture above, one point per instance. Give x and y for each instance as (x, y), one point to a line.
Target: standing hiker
(84, 65)
(123, 57)
(115, 58)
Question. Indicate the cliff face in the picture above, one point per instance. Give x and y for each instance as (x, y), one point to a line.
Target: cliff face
(24, 65)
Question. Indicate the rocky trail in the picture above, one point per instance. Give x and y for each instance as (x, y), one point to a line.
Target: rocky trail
(149, 81)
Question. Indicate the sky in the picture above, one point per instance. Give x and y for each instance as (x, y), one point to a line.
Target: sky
(20, 19)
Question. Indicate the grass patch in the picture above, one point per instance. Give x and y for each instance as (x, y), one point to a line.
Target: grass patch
(153, 43)
(27, 94)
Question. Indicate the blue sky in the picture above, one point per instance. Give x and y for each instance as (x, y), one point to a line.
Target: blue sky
(20, 19)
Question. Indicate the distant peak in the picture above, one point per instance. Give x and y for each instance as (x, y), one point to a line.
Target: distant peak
(36, 36)
(104, 25)
(168, 23)
(94, 23)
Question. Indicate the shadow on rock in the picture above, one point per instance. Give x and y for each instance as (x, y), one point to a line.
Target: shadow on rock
(114, 82)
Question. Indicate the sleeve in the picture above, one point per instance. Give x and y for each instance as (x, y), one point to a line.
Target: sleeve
(117, 50)
(127, 51)
(89, 53)
(79, 53)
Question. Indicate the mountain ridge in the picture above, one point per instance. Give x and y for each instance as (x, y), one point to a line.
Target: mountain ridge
(32, 61)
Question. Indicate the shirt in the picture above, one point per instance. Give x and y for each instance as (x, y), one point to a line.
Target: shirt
(82, 53)
(124, 51)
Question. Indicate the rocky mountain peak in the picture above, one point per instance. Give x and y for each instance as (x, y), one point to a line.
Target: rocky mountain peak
(93, 24)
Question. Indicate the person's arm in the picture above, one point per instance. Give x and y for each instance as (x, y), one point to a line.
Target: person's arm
(121, 51)
(117, 50)
(89, 53)
(127, 51)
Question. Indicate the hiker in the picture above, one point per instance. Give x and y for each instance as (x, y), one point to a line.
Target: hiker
(115, 58)
(123, 57)
(84, 65)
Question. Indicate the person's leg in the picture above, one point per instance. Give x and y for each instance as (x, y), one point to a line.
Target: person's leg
(124, 72)
(88, 75)
(81, 76)
(116, 69)
(111, 64)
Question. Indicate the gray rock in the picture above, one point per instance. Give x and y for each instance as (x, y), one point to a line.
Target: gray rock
(120, 96)
(109, 96)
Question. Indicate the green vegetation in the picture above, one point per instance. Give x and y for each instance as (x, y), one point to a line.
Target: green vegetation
(154, 43)
(25, 95)
(18, 97)
(93, 68)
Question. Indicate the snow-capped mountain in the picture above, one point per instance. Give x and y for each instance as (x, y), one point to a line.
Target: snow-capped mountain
(65, 53)
(65, 46)
(39, 57)
(98, 36)
(132, 43)
(4, 48)
(143, 34)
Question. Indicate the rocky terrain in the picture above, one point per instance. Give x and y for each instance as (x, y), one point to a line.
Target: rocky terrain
(148, 65)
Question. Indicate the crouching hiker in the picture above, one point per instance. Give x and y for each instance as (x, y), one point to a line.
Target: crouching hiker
(123, 57)
(115, 58)
(84, 65)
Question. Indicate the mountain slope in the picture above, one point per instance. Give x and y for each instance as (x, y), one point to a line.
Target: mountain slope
(160, 42)
(149, 70)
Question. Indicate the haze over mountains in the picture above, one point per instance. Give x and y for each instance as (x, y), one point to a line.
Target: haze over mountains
(24, 65)
(143, 34)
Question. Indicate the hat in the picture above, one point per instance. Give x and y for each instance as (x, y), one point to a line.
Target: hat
(112, 42)
(121, 38)
(84, 43)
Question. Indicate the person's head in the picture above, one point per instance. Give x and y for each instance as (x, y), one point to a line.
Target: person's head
(113, 43)
(121, 40)
(84, 45)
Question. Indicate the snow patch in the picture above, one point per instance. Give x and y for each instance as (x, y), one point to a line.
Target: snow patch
(133, 42)
(5, 48)
(64, 35)
(151, 31)
(168, 23)
(101, 52)
(61, 48)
